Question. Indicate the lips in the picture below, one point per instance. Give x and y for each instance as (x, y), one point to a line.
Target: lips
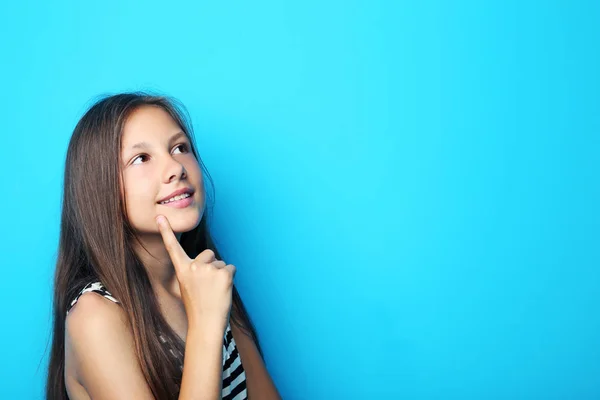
(177, 193)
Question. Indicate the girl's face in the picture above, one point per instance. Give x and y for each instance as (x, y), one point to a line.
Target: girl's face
(157, 160)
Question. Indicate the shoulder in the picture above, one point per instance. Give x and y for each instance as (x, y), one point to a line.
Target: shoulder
(95, 287)
(91, 310)
(99, 347)
(95, 326)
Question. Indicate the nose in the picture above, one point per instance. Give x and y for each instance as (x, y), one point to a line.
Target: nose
(174, 170)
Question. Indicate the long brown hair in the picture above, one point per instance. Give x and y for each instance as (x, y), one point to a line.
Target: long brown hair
(95, 243)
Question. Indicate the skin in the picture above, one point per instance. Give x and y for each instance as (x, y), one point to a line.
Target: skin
(164, 164)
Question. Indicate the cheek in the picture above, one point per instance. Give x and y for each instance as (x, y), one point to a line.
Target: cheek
(139, 193)
(193, 169)
(136, 190)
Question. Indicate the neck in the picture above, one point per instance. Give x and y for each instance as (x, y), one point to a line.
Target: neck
(155, 258)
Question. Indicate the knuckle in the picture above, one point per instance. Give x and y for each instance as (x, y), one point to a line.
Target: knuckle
(210, 253)
(230, 272)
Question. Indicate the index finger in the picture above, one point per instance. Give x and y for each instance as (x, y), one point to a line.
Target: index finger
(176, 252)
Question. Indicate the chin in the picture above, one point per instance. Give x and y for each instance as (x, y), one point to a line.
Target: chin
(185, 222)
(183, 228)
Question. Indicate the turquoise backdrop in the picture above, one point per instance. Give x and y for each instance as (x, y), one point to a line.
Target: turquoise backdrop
(408, 189)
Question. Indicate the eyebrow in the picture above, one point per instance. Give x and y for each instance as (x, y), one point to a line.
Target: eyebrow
(145, 145)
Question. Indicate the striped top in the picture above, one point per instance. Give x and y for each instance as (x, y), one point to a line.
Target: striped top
(234, 376)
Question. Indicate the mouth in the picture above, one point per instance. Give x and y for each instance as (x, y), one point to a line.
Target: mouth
(180, 201)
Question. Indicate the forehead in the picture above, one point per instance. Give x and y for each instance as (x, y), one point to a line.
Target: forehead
(148, 124)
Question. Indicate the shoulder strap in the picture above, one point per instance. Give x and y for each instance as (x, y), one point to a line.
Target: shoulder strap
(96, 287)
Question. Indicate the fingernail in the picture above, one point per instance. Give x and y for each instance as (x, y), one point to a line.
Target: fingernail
(160, 219)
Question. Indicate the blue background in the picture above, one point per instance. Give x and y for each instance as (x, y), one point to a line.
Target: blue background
(408, 189)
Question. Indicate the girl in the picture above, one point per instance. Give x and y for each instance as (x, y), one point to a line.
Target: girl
(142, 301)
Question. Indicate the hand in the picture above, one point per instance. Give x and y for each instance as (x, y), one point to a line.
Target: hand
(205, 283)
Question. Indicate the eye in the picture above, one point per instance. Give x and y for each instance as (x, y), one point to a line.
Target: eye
(184, 148)
(139, 157)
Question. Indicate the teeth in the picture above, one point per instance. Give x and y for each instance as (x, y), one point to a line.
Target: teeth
(172, 199)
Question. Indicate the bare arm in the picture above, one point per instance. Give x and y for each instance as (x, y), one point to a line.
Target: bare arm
(203, 363)
(101, 348)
